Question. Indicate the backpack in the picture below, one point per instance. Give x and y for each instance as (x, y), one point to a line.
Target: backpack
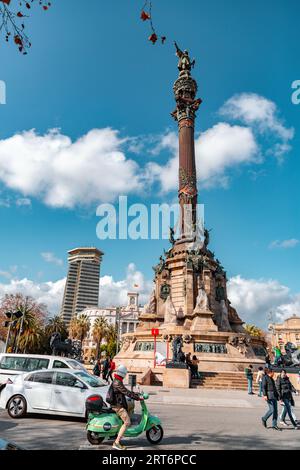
(110, 397)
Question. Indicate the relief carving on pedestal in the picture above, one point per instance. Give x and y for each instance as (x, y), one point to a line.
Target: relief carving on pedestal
(241, 343)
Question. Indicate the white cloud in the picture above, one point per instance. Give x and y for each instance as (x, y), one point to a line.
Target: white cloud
(49, 293)
(6, 274)
(261, 113)
(114, 292)
(23, 201)
(255, 298)
(291, 243)
(217, 150)
(5, 202)
(51, 258)
(64, 173)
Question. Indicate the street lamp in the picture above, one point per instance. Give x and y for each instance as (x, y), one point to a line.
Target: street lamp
(118, 312)
(13, 317)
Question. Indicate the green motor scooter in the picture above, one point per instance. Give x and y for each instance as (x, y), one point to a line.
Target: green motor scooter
(105, 424)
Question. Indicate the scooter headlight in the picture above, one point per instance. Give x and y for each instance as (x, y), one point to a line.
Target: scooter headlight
(107, 427)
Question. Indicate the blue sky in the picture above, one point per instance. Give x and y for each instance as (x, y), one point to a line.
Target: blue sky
(93, 68)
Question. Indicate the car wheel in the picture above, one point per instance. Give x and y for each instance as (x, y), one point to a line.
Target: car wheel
(94, 438)
(17, 407)
(155, 434)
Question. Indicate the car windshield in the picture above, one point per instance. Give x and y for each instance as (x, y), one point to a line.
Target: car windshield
(75, 365)
(91, 381)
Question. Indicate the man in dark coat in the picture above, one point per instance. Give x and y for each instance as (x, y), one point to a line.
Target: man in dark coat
(271, 396)
(285, 391)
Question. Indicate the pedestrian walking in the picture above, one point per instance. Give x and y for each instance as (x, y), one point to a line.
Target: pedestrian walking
(249, 376)
(97, 368)
(259, 380)
(105, 368)
(195, 367)
(271, 396)
(285, 390)
(268, 359)
(112, 368)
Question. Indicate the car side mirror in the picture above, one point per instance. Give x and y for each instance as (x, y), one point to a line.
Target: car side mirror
(80, 385)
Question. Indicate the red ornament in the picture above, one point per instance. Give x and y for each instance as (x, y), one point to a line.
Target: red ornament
(6, 1)
(20, 15)
(153, 38)
(145, 16)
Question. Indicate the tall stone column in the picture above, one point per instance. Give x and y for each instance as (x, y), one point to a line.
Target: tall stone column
(185, 89)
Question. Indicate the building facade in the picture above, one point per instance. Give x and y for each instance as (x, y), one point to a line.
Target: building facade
(288, 331)
(125, 319)
(82, 284)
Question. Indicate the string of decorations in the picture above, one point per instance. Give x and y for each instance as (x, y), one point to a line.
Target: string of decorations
(12, 22)
(146, 15)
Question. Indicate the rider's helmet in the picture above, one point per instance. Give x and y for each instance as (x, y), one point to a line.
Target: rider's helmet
(121, 371)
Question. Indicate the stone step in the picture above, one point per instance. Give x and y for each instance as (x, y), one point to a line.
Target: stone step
(222, 380)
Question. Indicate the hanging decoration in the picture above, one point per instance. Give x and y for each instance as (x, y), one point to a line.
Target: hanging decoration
(13, 14)
(146, 15)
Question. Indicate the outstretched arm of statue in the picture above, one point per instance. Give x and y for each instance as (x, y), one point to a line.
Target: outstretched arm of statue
(179, 52)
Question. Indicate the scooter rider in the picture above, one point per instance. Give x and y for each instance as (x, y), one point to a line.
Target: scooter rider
(119, 404)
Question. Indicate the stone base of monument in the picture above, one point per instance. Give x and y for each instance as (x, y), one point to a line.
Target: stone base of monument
(176, 377)
(217, 351)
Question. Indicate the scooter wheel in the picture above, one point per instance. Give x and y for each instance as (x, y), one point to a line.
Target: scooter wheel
(94, 438)
(155, 434)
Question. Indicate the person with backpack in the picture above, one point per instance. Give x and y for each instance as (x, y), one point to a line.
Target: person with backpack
(249, 376)
(116, 397)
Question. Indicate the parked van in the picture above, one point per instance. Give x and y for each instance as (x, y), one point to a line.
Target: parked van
(16, 364)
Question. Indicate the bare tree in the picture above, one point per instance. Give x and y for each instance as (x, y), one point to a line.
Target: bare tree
(13, 15)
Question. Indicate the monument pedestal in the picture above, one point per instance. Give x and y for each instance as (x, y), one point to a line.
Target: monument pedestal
(176, 378)
(203, 321)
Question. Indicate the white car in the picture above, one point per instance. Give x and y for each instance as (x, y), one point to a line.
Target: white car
(56, 392)
(12, 365)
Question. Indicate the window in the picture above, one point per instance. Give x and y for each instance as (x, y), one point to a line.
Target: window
(59, 365)
(36, 364)
(65, 379)
(90, 380)
(13, 363)
(41, 377)
(75, 365)
(131, 327)
(24, 364)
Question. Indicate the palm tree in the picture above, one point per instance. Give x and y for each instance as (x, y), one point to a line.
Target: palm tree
(79, 327)
(56, 324)
(31, 340)
(111, 334)
(253, 330)
(99, 332)
(111, 339)
(30, 336)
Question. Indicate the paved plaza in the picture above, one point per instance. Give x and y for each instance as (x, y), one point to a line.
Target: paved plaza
(210, 419)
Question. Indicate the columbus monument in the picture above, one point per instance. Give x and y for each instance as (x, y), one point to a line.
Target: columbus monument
(189, 299)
